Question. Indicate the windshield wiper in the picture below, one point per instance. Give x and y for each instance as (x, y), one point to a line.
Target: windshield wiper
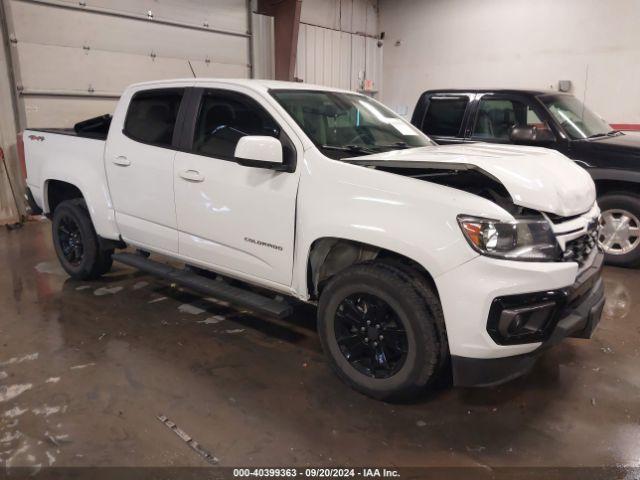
(348, 148)
(395, 146)
(611, 133)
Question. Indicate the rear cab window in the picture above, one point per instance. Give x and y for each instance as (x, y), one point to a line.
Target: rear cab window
(444, 115)
(151, 116)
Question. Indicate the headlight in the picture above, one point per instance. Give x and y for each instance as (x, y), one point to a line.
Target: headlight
(529, 240)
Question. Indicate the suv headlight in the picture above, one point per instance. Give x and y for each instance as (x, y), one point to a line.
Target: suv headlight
(525, 239)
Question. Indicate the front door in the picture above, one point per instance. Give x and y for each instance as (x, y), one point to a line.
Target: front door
(139, 165)
(232, 218)
(497, 114)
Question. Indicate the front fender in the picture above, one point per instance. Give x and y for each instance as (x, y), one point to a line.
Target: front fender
(410, 217)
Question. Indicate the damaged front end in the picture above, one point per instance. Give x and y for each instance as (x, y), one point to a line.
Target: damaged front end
(534, 235)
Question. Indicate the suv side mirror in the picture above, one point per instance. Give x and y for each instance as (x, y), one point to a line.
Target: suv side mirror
(260, 152)
(531, 135)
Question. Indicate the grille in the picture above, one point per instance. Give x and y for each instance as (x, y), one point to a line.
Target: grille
(558, 219)
(578, 249)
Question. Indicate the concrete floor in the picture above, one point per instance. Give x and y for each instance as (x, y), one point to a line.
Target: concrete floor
(86, 368)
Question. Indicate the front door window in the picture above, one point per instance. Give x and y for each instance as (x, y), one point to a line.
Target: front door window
(496, 118)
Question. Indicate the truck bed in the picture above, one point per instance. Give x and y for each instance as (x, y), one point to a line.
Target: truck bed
(63, 155)
(96, 128)
(72, 132)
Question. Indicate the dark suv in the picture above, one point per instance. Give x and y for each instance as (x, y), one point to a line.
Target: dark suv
(553, 120)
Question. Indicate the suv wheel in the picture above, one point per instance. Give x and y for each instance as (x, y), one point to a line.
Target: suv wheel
(619, 235)
(380, 332)
(76, 242)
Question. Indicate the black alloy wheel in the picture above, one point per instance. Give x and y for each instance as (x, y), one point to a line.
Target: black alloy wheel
(70, 240)
(370, 335)
(382, 328)
(76, 243)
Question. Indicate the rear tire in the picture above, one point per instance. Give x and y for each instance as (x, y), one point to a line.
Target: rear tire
(76, 242)
(395, 360)
(617, 208)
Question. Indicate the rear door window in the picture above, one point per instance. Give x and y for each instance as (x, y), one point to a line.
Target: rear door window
(444, 115)
(151, 117)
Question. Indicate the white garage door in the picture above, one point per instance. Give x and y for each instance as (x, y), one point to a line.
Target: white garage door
(72, 60)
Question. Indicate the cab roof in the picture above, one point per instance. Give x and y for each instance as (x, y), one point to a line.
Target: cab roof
(521, 91)
(255, 84)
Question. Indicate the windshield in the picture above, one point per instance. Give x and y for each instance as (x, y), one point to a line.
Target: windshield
(578, 121)
(348, 125)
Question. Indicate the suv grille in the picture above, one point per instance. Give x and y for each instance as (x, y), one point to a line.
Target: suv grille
(578, 250)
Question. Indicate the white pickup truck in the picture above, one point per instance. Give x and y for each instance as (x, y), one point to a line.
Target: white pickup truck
(424, 260)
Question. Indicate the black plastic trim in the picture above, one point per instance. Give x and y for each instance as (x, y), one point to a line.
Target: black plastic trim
(219, 289)
(579, 320)
(566, 299)
(500, 304)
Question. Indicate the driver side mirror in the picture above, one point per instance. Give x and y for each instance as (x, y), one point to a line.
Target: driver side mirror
(260, 152)
(531, 135)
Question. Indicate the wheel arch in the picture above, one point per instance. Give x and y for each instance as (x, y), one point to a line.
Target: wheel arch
(57, 191)
(329, 256)
(608, 186)
(58, 188)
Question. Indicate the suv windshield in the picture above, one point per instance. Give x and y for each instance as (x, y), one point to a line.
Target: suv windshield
(348, 125)
(578, 121)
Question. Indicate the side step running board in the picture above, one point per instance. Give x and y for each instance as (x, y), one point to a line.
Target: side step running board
(220, 290)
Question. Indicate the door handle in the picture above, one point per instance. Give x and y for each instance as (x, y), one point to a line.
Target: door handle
(191, 176)
(122, 161)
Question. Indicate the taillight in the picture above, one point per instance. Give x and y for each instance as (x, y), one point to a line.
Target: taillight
(23, 162)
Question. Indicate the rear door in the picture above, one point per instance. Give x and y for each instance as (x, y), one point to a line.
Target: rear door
(139, 164)
(444, 116)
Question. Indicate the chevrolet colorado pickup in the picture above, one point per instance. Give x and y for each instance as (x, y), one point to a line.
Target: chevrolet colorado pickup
(552, 120)
(424, 261)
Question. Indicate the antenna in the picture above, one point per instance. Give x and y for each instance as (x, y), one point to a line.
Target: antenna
(191, 67)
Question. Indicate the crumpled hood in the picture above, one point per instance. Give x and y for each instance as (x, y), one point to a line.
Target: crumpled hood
(536, 178)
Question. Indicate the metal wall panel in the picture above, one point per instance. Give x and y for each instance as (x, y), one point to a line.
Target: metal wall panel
(45, 111)
(373, 62)
(76, 28)
(337, 59)
(353, 16)
(89, 53)
(358, 58)
(12, 186)
(263, 46)
(330, 52)
(73, 70)
(223, 14)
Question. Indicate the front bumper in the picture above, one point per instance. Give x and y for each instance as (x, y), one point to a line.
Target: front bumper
(579, 318)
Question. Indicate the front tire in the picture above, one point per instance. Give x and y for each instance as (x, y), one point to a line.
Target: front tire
(619, 235)
(76, 242)
(379, 332)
